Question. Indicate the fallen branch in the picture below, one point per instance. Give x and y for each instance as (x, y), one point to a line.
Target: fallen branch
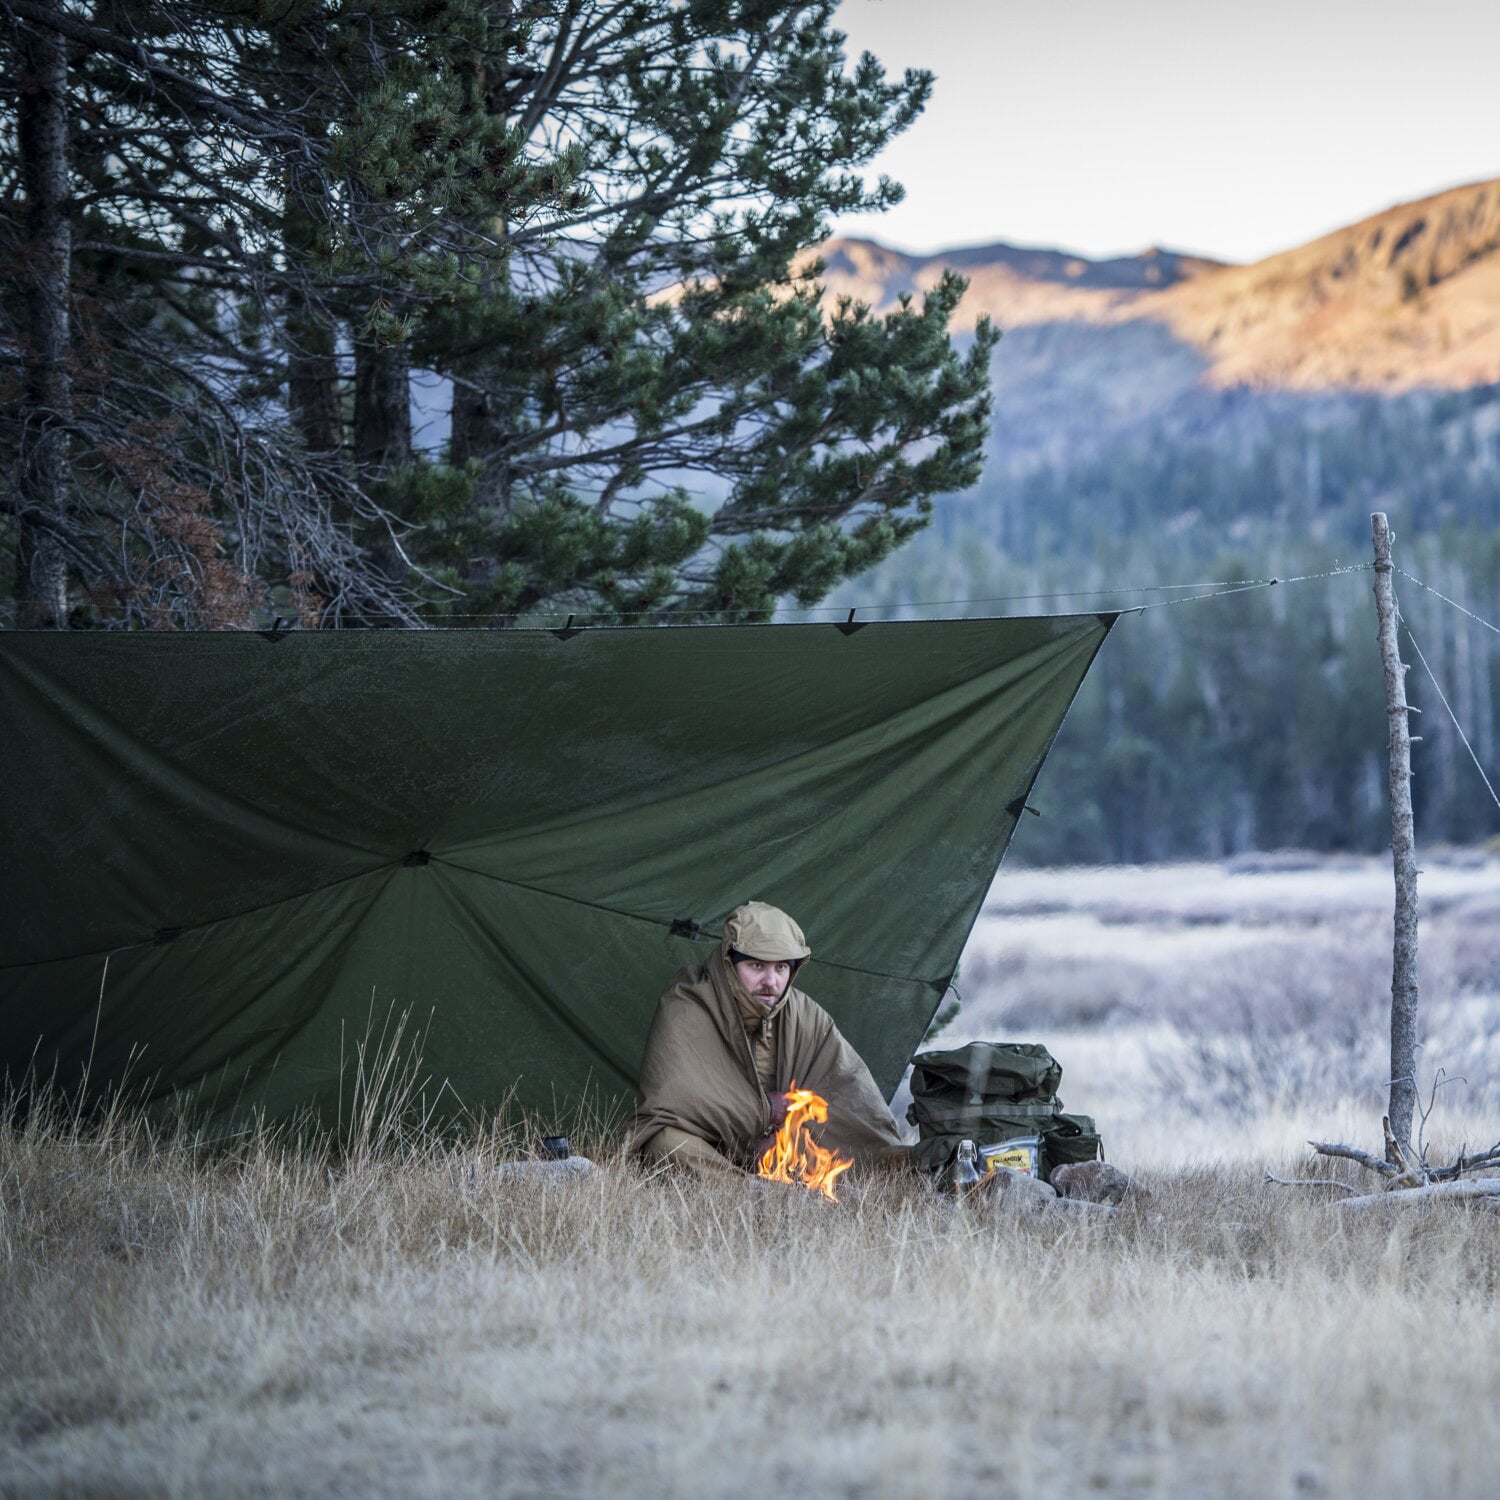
(1415, 1175)
(1483, 1188)
(1331, 1182)
(1490, 1158)
(1353, 1153)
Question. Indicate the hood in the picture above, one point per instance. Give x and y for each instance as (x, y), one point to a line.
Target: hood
(766, 932)
(759, 930)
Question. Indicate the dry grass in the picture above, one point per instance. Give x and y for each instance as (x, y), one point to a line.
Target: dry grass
(1205, 1011)
(395, 1319)
(398, 1321)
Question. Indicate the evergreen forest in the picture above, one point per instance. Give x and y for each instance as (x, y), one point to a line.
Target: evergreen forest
(1254, 719)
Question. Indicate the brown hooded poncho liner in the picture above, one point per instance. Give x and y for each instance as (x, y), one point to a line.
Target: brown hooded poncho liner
(698, 1072)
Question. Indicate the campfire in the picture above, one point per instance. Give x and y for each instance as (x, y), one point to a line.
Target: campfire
(794, 1156)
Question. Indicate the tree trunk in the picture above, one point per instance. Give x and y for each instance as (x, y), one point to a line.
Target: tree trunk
(382, 408)
(481, 420)
(382, 433)
(45, 274)
(382, 368)
(479, 428)
(312, 367)
(313, 376)
(1484, 702)
(1403, 1097)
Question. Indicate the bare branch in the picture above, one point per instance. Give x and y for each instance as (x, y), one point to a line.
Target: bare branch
(1467, 1164)
(1353, 1153)
(1328, 1182)
(251, 122)
(1485, 1189)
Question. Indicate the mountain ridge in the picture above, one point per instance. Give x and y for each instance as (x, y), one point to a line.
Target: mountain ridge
(1405, 299)
(1156, 266)
(1233, 423)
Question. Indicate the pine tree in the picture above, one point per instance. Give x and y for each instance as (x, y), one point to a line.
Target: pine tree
(654, 412)
(585, 216)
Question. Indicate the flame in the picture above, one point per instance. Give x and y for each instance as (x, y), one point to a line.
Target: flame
(794, 1156)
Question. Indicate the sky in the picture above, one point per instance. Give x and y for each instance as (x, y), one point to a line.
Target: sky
(1230, 128)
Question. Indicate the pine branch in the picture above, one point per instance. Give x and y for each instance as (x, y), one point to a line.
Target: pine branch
(256, 124)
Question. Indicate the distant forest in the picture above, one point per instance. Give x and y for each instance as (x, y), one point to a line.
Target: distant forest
(1253, 721)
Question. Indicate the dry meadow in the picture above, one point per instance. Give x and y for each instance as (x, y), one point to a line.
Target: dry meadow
(399, 1318)
(1229, 1011)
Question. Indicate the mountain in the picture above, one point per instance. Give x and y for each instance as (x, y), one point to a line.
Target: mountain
(1009, 283)
(1406, 300)
(1161, 421)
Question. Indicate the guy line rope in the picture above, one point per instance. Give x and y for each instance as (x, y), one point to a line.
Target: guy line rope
(1432, 676)
(1446, 600)
(1444, 697)
(1218, 588)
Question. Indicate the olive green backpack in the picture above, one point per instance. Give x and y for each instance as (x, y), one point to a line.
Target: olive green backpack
(988, 1092)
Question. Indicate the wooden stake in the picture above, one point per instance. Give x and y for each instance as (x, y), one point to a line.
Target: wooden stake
(1403, 856)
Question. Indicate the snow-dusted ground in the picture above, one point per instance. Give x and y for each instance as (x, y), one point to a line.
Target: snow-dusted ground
(1195, 909)
(1227, 1011)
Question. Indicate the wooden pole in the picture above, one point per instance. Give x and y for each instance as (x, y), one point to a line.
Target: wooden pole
(1403, 1096)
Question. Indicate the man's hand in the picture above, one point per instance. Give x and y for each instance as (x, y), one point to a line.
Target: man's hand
(778, 1119)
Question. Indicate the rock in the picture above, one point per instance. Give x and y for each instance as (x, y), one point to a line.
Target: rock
(1091, 1181)
(1017, 1192)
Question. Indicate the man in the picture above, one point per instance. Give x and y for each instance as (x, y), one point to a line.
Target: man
(730, 1037)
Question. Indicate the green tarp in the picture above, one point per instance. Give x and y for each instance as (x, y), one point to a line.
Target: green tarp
(514, 837)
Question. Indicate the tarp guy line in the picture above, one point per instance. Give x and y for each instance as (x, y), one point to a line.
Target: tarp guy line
(1222, 587)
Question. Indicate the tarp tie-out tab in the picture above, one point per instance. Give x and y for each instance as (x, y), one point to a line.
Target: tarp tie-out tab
(416, 859)
(685, 927)
(275, 633)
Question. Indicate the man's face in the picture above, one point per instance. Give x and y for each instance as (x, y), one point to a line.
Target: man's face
(765, 978)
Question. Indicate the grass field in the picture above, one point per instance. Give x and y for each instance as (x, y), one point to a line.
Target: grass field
(400, 1319)
(1212, 1012)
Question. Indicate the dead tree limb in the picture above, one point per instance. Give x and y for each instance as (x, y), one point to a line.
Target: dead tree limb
(1467, 1164)
(1410, 1172)
(1484, 1189)
(44, 265)
(1353, 1153)
(1328, 1182)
